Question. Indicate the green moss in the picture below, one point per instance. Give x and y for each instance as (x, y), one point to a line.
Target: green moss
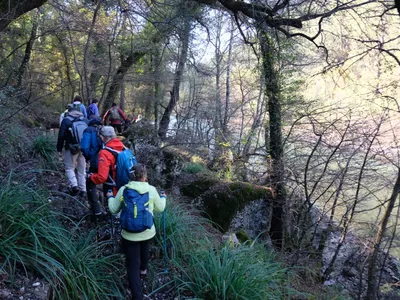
(198, 187)
(223, 201)
(242, 236)
(195, 168)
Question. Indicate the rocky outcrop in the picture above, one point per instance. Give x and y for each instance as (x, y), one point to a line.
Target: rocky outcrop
(232, 206)
(349, 270)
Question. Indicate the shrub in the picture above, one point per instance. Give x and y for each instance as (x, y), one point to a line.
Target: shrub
(45, 147)
(69, 259)
(185, 230)
(245, 272)
(195, 168)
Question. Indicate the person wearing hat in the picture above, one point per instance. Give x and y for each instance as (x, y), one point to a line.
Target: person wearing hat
(106, 173)
(91, 144)
(93, 110)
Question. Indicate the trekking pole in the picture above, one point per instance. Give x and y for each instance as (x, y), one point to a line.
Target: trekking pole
(112, 232)
(112, 228)
(165, 241)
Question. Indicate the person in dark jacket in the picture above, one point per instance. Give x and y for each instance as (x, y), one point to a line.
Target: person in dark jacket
(72, 161)
(91, 144)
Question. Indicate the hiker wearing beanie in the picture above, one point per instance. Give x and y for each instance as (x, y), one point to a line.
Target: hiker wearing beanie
(106, 173)
(91, 144)
(135, 245)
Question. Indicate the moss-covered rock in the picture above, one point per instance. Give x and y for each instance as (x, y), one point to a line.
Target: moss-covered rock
(222, 201)
(173, 166)
(198, 187)
(242, 236)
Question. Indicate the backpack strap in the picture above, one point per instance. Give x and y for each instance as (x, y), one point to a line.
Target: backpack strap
(115, 154)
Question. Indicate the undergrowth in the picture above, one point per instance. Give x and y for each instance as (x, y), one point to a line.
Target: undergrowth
(243, 272)
(32, 238)
(44, 147)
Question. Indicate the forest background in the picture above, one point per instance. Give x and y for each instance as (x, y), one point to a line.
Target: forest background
(299, 96)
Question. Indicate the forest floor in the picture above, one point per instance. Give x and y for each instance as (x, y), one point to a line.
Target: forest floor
(24, 284)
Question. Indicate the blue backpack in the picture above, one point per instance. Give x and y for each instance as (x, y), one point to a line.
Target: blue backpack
(124, 161)
(135, 214)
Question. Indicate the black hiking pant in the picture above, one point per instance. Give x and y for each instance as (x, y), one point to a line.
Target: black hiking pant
(137, 259)
(117, 127)
(92, 195)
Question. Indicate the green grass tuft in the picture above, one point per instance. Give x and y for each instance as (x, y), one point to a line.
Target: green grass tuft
(45, 147)
(70, 260)
(244, 272)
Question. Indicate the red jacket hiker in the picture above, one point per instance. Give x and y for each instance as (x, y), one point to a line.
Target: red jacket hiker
(106, 166)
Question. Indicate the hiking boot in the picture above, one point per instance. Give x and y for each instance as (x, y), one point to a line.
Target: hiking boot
(74, 191)
(82, 194)
(97, 208)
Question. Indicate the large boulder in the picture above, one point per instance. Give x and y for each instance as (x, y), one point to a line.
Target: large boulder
(232, 205)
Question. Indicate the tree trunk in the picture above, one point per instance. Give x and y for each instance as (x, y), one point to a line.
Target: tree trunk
(372, 280)
(163, 128)
(28, 52)
(228, 84)
(118, 78)
(64, 51)
(122, 96)
(157, 87)
(12, 9)
(275, 150)
(86, 53)
(94, 80)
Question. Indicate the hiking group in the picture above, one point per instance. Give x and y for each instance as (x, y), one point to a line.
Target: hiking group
(87, 140)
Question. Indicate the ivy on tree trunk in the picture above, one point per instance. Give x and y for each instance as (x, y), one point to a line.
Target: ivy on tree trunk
(275, 144)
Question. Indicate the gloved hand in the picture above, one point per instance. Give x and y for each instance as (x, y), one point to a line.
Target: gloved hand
(109, 194)
(162, 194)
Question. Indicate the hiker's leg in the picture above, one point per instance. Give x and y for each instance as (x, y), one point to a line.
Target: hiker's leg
(81, 168)
(118, 128)
(70, 168)
(92, 194)
(132, 252)
(115, 127)
(144, 255)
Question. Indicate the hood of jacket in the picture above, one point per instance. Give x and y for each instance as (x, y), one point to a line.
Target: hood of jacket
(115, 143)
(139, 186)
(75, 114)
